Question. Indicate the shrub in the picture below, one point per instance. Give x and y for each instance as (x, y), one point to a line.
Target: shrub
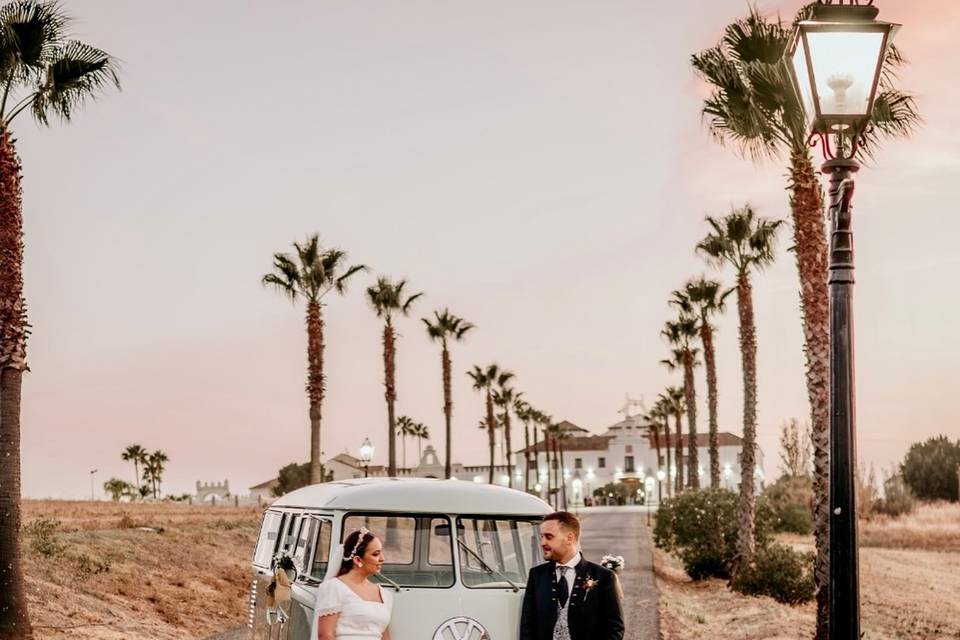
(790, 498)
(897, 499)
(44, 537)
(930, 469)
(88, 566)
(701, 527)
(779, 572)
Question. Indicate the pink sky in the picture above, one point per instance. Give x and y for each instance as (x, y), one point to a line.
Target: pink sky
(540, 168)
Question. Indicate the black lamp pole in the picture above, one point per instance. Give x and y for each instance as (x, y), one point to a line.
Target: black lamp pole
(844, 558)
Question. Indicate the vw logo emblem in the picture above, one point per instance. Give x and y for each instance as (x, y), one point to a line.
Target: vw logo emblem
(461, 628)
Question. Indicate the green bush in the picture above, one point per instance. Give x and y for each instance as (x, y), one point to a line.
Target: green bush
(44, 537)
(790, 498)
(897, 498)
(701, 527)
(779, 572)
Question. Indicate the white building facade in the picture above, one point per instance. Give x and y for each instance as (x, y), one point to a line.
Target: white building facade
(626, 453)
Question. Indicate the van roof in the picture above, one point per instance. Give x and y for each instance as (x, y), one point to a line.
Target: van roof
(415, 495)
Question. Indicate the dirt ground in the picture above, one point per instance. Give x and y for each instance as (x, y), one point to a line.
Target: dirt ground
(910, 588)
(102, 575)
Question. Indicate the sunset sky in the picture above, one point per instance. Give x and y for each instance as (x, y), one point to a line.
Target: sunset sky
(540, 168)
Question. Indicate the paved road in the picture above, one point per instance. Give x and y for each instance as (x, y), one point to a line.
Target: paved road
(623, 531)
(618, 531)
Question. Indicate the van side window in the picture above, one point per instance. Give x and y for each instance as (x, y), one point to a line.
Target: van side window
(321, 557)
(267, 541)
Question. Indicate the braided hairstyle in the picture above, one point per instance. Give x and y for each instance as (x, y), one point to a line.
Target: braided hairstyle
(358, 540)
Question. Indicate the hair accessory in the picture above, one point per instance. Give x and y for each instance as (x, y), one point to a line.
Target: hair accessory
(363, 533)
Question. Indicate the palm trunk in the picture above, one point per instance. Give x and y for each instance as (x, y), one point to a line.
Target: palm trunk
(810, 240)
(557, 478)
(748, 351)
(546, 451)
(670, 465)
(136, 475)
(389, 369)
(14, 619)
(506, 441)
(526, 456)
(678, 460)
(536, 457)
(709, 357)
(419, 449)
(563, 477)
(315, 385)
(690, 397)
(656, 442)
(492, 432)
(403, 446)
(447, 411)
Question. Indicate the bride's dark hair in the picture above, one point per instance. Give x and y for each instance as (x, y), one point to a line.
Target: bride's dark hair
(357, 540)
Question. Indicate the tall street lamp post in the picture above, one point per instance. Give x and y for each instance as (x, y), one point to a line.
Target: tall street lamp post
(366, 455)
(836, 62)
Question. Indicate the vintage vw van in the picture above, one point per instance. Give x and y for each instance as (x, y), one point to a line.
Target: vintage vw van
(456, 553)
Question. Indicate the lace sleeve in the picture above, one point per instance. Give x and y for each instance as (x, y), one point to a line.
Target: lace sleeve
(328, 599)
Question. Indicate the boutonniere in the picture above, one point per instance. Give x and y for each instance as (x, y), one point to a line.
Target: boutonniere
(588, 586)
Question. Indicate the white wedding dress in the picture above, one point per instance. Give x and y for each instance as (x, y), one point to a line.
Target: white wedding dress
(359, 619)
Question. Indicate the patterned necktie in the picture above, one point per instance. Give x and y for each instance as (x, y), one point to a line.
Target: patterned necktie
(563, 589)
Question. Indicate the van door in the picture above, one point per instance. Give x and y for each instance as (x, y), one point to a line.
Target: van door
(310, 557)
(268, 543)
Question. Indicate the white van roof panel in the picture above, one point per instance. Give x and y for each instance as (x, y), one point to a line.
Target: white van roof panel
(415, 495)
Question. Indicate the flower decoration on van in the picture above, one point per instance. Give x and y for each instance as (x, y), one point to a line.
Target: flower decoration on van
(614, 563)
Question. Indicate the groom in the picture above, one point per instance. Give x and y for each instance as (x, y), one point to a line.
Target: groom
(567, 597)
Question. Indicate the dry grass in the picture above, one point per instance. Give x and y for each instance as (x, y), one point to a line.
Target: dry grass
(908, 590)
(113, 580)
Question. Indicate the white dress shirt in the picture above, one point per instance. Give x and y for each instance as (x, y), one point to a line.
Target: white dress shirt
(572, 573)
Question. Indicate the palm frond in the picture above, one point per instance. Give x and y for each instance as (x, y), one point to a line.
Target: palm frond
(75, 73)
(30, 33)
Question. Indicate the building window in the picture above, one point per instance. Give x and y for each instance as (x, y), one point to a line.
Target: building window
(578, 463)
(554, 463)
(531, 464)
(629, 448)
(601, 463)
(628, 464)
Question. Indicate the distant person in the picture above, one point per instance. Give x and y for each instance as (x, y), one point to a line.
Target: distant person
(350, 606)
(568, 597)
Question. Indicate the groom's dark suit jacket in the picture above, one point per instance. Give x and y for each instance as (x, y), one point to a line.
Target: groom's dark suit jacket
(593, 613)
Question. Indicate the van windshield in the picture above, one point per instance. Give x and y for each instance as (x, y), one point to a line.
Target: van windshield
(416, 549)
(508, 548)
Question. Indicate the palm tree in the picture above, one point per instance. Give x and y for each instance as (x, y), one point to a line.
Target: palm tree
(117, 488)
(662, 411)
(138, 455)
(444, 328)
(504, 397)
(405, 427)
(651, 420)
(542, 419)
(525, 413)
(681, 334)
(706, 298)
(560, 437)
(421, 432)
(753, 105)
(310, 274)
(675, 403)
(487, 380)
(746, 242)
(153, 470)
(47, 74)
(388, 298)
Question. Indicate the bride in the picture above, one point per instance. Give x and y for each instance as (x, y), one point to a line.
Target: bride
(350, 605)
